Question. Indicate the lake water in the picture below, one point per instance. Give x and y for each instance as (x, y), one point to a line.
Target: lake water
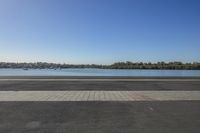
(97, 72)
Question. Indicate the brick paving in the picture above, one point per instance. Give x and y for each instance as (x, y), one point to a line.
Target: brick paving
(99, 95)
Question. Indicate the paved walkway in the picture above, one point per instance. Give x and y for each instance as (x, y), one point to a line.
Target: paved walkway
(99, 95)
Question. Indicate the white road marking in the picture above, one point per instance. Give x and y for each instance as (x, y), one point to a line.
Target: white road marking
(99, 95)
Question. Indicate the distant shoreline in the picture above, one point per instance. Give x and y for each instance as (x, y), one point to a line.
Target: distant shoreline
(95, 68)
(118, 65)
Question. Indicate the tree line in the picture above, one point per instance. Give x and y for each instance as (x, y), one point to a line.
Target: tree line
(117, 65)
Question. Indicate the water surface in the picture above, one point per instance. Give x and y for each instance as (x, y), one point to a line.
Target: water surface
(97, 72)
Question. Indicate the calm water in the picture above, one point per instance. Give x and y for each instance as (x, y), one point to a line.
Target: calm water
(96, 72)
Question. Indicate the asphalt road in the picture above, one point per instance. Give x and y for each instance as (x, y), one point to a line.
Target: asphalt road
(100, 117)
(98, 85)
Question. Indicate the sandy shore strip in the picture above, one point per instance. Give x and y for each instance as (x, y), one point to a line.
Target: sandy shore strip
(43, 79)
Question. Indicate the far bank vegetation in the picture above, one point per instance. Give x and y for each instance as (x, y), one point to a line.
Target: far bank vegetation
(118, 65)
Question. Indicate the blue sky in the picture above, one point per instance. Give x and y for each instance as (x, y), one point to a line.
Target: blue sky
(99, 31)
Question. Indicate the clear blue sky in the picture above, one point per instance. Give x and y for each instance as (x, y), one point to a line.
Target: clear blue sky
(99, 31)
